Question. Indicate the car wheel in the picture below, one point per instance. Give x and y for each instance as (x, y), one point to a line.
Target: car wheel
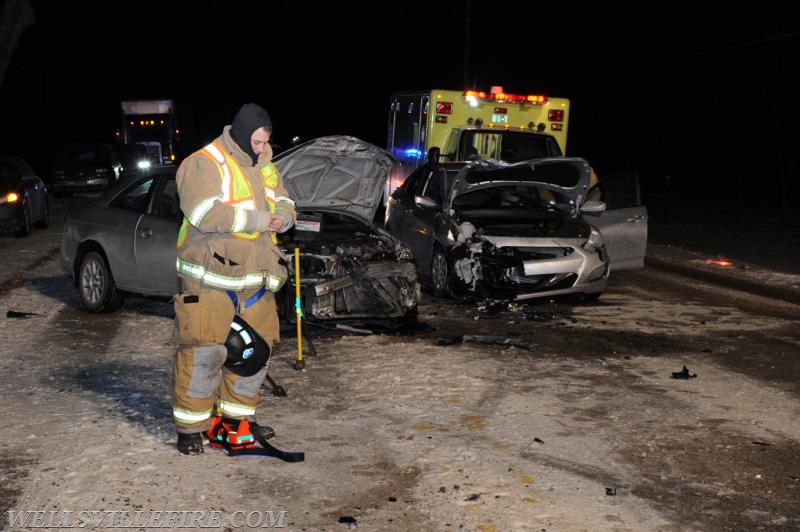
(440, 279)
(44, 222)
(96, 285)
(25, 228)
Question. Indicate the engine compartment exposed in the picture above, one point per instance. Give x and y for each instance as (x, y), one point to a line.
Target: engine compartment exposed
(348, 271)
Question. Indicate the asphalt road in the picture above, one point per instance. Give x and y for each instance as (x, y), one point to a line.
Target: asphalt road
(749, 236)
(760, 248)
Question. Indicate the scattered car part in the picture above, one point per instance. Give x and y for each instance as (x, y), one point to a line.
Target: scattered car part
(683, 374)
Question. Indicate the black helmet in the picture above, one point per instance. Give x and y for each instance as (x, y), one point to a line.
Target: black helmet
(247, 351)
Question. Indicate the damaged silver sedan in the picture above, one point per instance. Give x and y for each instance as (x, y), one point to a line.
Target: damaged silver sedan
(124, 242)
(351, 269)
(493, 231)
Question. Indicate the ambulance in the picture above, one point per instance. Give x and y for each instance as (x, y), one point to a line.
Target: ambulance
(471, 124)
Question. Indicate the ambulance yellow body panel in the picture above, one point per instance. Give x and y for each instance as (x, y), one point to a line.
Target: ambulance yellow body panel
(465, 125)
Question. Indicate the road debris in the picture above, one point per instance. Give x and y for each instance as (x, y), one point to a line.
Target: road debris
(683, 374)
(21, 315)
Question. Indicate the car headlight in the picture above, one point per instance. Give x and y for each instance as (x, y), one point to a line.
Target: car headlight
(11, 197)
(595, 241)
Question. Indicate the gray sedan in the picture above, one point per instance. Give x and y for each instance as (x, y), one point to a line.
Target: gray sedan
(124, 240)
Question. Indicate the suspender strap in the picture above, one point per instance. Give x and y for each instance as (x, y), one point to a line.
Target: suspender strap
(250, 301)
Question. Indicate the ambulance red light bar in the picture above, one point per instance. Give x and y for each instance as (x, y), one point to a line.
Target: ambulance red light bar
(504, 97)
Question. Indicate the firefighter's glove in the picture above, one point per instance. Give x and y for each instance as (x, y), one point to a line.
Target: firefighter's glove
(262, 221)
(277, 223)
(286, 217)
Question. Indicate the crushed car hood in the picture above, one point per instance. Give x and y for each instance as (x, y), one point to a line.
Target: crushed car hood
(569, 176)
(336, 172)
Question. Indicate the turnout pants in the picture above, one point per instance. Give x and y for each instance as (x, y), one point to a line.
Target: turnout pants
(202, 386)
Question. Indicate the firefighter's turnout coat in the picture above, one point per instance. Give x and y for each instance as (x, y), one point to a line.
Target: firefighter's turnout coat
(226, 267)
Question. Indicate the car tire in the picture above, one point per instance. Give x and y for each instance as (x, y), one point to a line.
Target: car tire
(44, 222)
(25, 228)
(440, 273)
(96, 286)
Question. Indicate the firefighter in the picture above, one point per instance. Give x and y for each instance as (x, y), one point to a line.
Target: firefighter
(230, 268)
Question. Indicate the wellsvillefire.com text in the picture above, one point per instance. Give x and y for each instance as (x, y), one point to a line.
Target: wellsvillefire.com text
(173, 519)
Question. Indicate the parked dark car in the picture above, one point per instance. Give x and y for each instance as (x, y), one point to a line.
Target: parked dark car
(85, 167)
(494, 231)
(351, 271)
(23, 197)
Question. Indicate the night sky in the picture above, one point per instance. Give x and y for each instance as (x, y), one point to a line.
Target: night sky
(709, 98)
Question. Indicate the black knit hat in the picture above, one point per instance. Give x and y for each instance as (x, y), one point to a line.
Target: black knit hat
(249, 118)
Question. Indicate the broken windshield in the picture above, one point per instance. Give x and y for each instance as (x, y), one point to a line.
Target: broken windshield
(513, 200)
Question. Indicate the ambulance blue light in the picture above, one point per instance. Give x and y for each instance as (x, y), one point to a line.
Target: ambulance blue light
(413, 152)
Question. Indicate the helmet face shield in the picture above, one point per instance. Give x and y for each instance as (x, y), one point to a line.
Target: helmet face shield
(248, 353)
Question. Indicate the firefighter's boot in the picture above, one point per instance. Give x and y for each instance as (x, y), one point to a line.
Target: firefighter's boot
(190, 443)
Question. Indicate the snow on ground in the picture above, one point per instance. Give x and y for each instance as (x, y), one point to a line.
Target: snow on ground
(399, 433)
(393, 436)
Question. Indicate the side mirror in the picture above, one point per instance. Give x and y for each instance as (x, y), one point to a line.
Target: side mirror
(593, 207)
